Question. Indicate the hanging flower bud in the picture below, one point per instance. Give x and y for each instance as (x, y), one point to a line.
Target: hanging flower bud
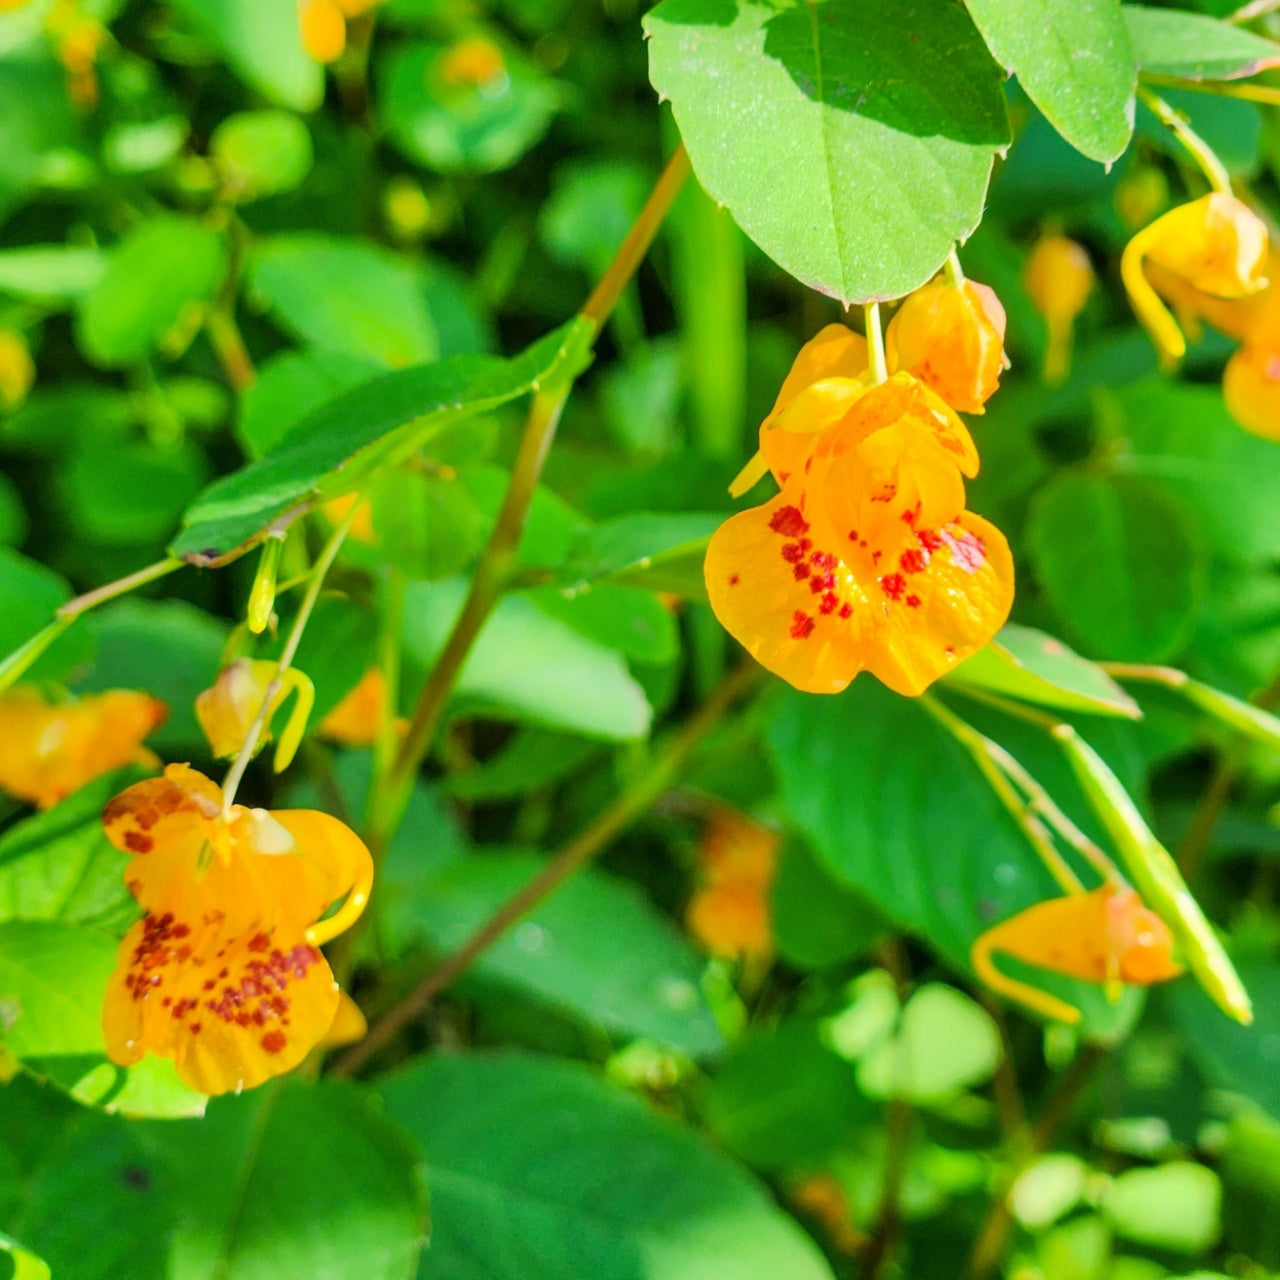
(324, 29)
(1216, 244)
(951, 337)
(1251, 388)
(228, 710)
(1059, 279)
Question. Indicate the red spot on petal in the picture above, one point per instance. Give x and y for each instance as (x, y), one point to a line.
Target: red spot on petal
(930, 539)
(138, 843)
(792, 552)
(893, 585)
(801, 572)
(274, 1041)
(829, 602)
(734, 579)
(912, 601)
(846, 611)
(913, 561)
(789, 521)
(801, 625)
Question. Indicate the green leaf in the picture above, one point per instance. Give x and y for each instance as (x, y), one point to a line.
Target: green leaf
(527, 666)
(817, 919)
(1174, 1206)
(13, 515)
(1074, 59)
(1031, 666)
(386, 418)
(533, 1160)
(262, 42)
(261, 153)
(1120, 564)
(155, 276)
(637, 978)
(59, 865)
(654, 550)
(625, 619)
(1193, 46)
(31, 594)
(346, 296)
(529, 761)
(1049, 1187)
(859, 774)
(167, 647)
(52, 978)
(50, 273)
(1250, 1172)
(1181, 437)
(783, 1099)
(463, 128)
(853, 146)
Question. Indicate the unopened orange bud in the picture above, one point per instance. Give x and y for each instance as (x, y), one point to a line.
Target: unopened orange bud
(1058, 278)
(475, 61)
(17, 369)
(1251, 388)
(324, 29)
(1216, 244)
(229, 709)
(951, 337)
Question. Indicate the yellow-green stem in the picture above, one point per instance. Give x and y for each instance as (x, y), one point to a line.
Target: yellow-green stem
(875, 342)
(1192, 142)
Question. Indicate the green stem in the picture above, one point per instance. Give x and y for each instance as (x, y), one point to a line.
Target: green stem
(1195, 145)
(953, 269)
(1266, 93)
(630, 804)
(318, 574)
(875, 342)
(130, 582)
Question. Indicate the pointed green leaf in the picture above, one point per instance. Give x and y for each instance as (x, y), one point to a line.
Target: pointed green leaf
(1194, 46)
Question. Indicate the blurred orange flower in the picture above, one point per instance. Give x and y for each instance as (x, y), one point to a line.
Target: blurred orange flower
(867, 559)
(223, 973)
(357, 720)
(1105, 936)
(475, 61)
(1059, 278)
(1216, 245)
(730, 913)
(50, 749)
(951, 337)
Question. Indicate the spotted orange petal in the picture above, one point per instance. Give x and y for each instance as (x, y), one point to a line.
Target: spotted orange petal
(338, 863)
(230, 1010)
(943, 605)
(778, 584)
(163, 813)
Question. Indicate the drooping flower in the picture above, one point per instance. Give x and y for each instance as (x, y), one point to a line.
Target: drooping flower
(867, 559)
(223, 974)
(951, 337)
(730, 912)
(1106, 936)
(226, 711)
(1216, 245)
(1058, 278)
(50, 749)
(1251, 388)
(324, 25)
(357, 720)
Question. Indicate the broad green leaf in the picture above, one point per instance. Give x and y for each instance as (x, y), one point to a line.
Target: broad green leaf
(818, 919)
(783, 1099)
(859, 774)
(261, 153)
(167, 647)
(527, 666)
(1250, 1171)
(1049, 1187)
(906, 1063)
(346, 296)
(1193, 46)
(155, 276)
(145, 146)
(591, 209)
(537, 1164)
(1180, 436)
(853, 146)
(530, 760)
(37, 120)
(31, 594)
(13, 515)
(292, 385)
(52, 272)
(59, 865)
(262, 41)
(460, 127)
(1074, 59)
(1175, 1206)
(379, 421)
(1116, 557)
(1034, 667)
(655, 550)
(297, 1179)
(52, 978)
(638, 978)
(626, 619)
(51, 419)
(1232, 1056)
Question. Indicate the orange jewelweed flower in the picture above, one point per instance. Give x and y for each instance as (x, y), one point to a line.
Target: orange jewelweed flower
(324, 29)
(50, 749)
(226, 712)
(1251, 388)
(730, 913)
(867, 559)
(475, 61)
(1058, 279)
(1216, 244)
(951, 337)
(357, 720)
(1105, 936)
(223, 973)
